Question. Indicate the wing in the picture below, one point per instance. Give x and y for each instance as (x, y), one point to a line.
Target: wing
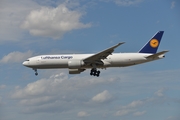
(96, 58)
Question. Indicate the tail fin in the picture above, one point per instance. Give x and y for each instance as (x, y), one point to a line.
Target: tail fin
(152, 45)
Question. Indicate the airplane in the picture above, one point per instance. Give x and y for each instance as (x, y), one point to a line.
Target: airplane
(77, 63)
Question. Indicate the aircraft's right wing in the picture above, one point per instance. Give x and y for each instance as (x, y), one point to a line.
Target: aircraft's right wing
(96, 58)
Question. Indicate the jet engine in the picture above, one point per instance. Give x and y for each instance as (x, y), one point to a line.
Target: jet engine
(75, 64)
(75, 71)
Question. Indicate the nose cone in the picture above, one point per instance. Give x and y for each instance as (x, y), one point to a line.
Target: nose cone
(25, 63)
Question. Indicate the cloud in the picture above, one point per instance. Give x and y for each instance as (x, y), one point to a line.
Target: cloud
(60, 82)
(134, 104)
(62, 91)
(139, 113)
(83, 114)
(12, 14)
(173, 118)
(38, 18)
(173, 4)
(1, 102)
(2, 86)
(102, 97)
(160, 92)
(131, 107)
(124, 2)
(79, 93)
(16, 57)
(123, 112)
(53, 22)
(36, 101)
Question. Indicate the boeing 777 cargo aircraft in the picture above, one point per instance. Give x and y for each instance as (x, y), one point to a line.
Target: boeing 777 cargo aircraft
(77, 63)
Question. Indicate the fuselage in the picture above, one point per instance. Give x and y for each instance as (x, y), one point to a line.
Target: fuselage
(77, 63)
(63, 61)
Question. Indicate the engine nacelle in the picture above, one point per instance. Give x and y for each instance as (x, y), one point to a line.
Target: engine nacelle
(75, 64)
(75, 71)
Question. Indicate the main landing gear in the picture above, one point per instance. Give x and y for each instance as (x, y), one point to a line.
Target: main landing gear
(95, 72)
(36, 73)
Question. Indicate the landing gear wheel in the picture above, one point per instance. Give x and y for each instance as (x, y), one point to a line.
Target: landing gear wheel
(94, 72)
(98, 72)
(36, 73)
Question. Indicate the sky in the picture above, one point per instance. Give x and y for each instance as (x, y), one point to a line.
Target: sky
(34, 27)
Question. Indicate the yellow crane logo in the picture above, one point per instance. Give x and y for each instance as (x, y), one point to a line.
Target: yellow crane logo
(154, 43)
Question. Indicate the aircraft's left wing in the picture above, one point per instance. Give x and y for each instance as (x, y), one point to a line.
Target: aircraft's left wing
(96, 58)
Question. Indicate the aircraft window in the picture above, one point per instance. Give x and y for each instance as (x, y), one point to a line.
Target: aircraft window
(27, 60)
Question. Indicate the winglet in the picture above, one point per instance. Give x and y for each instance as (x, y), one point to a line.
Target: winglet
(119, 44)
(152, 45)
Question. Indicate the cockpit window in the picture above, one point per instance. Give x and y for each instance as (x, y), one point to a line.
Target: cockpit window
(27, 60)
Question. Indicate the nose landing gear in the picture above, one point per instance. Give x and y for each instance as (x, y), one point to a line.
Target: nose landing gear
(95, 72)
(36, 73)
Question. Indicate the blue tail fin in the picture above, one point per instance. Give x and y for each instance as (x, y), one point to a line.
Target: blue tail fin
(152, 45)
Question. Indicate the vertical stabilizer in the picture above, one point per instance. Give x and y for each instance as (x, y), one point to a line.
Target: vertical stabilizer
(152, 45)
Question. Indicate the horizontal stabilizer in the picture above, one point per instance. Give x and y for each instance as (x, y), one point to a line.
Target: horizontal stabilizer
(157, 54)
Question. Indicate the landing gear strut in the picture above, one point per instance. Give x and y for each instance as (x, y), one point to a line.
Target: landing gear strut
(95, 72)
(36, 73)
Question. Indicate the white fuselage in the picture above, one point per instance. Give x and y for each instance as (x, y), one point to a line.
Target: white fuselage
(77, 63)
(63, 61)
